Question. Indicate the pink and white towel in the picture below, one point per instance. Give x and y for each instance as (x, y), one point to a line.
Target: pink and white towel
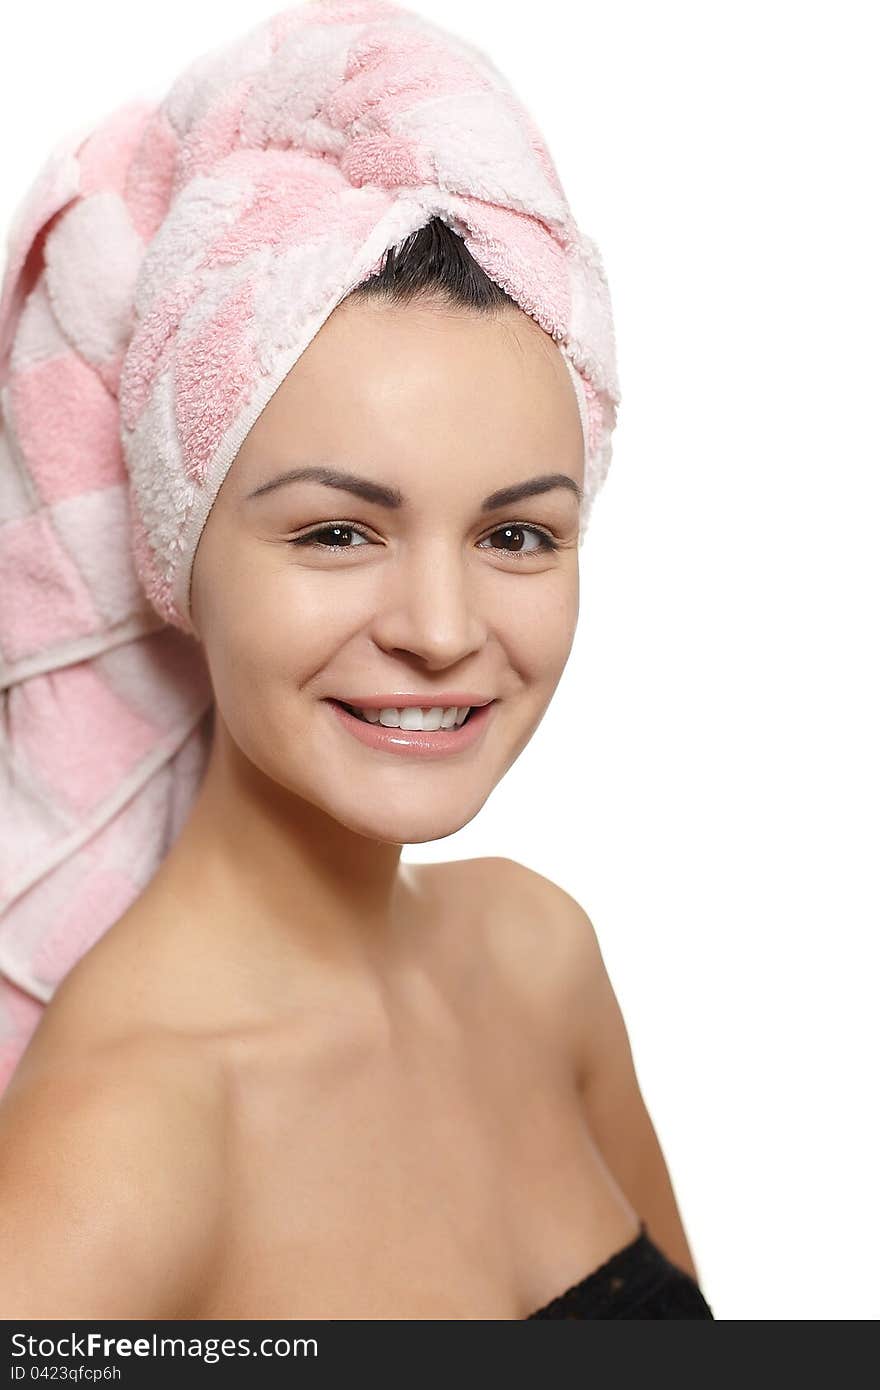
(163, 275)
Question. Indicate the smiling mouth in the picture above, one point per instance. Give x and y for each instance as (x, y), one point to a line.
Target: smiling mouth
(357, 714)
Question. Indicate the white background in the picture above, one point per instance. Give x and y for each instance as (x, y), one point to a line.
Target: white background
(705, 782)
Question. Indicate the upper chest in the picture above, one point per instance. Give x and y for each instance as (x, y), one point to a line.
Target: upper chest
(439, 1166)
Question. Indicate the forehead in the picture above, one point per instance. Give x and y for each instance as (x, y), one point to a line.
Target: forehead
(405, 388)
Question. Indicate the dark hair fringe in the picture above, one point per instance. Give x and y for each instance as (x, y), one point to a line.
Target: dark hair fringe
(433, 262)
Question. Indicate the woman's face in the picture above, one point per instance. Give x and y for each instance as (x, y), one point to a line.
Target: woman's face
(305, 593)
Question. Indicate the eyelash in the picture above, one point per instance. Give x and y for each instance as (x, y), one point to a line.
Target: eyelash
(547, 543)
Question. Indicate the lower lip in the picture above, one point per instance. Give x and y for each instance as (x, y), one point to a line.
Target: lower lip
(417, 742)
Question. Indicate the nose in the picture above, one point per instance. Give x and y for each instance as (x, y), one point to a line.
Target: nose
(431, 606)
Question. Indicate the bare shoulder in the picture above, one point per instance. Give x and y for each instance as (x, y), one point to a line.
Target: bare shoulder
(534, 929)
(533, 914)
(109, 1181)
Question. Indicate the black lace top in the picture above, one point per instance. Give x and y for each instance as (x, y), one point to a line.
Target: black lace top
(637, 1282)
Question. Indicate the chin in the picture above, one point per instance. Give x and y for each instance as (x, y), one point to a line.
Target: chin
(416, 826)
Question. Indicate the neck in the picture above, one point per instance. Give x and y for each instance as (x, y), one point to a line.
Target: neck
(263, 889)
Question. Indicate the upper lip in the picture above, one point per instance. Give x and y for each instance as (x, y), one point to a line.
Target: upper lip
(444, 698)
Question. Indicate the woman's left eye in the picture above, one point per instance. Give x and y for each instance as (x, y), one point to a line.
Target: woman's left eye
(339, 529)
(545, 541)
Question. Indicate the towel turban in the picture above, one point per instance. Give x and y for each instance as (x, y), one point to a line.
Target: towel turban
(163, 274)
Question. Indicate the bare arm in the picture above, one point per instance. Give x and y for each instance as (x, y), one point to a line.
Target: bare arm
(618, 1117)
(106, 1195)
(615, 1109)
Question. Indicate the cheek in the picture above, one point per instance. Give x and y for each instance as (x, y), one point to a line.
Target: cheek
(272, 629)
(538, 630)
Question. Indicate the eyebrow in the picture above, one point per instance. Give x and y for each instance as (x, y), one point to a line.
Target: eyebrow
(392, 497)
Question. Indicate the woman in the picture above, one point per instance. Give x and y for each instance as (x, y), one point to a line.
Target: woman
(296, 1077)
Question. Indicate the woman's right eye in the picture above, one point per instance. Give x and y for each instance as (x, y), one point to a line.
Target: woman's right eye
(335, 530)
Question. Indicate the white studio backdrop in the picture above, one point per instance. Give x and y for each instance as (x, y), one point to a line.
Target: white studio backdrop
(705, 782)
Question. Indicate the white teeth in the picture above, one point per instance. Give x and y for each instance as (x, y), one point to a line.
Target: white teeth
(413, 717)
